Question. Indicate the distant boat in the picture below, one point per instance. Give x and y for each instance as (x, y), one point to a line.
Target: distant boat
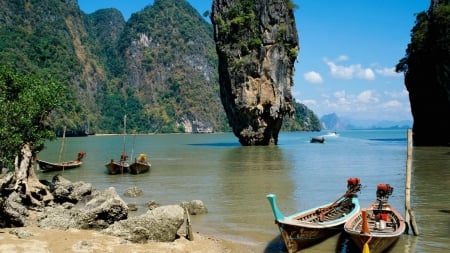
(377, 227)
(121, 166)
(140, 165)
(317, 139)
(332, 134)
(309, 227)
(45, 166)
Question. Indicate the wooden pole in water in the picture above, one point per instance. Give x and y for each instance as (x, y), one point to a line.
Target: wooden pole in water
(409, 214)
(189, 234)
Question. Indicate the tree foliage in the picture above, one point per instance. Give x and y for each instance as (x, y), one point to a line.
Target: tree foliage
(303, 120)
(26, 101)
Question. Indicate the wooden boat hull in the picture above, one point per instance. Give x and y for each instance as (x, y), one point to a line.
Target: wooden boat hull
(139, 167)
(47, 166)
(305, 229)
(376, 244)
(297, 237)
(379, 237)
(117, 167)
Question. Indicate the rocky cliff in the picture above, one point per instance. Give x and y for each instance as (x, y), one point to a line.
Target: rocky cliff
(427, 75)
(159, 67)
(257, 44)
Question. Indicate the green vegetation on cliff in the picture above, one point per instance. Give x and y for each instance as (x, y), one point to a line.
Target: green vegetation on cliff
(159, 68)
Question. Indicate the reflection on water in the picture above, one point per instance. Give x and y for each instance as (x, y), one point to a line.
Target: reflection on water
(430, 197)
(233, 180)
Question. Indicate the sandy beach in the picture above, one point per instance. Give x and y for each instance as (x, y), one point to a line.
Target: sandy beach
(37, 240)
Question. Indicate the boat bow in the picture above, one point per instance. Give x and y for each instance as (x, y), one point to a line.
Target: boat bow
(273, 204)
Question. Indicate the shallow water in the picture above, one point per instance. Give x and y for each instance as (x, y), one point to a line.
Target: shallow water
(233, 180)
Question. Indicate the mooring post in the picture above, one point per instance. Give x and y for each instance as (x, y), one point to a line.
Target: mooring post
(409, 214)
(189, 234)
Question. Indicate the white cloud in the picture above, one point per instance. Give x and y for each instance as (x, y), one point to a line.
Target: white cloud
(397, 94)
(342, 58)
(366, 73)
(313, 77)
(388, 72)
(392, 104)
(350, 71)
(367, 96)
(365, 105)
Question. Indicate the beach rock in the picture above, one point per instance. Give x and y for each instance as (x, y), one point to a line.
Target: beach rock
(133, 207)
(194, 207)
(133, 192)
(64, 190)
(12, 212)
(96, 211)
(107, 206)
(58, 217)
(152, 204)
(160, 224)
(21, 233)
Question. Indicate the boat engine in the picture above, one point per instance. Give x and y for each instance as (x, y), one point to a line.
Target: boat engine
(353, 184)
(384, 191)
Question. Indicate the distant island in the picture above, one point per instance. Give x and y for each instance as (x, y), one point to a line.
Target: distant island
(333, 122)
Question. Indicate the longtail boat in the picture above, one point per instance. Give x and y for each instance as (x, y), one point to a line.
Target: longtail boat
(377, 227)
(45, 166)
(121, 166)
(140, 165)
(306, 228)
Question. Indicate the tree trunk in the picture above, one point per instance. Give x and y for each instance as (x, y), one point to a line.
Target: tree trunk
(33, 192)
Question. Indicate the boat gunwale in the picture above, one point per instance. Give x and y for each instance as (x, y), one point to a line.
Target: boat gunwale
(291, 220)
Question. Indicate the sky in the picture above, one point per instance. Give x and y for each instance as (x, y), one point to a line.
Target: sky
(348, 52)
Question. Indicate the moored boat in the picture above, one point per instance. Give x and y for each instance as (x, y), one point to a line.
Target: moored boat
(306, 228)
(118, 167)
(45, 166)
(121, 166)
(377, 227)
(140, 165)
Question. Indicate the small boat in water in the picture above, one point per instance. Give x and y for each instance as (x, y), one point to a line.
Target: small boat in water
(377, 227)
(140, 165)
(306, 228)
(118, 167)
(45, 166)
(317, 139)
(121, 166)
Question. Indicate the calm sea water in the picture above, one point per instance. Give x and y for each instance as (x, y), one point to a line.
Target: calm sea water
(233, 180)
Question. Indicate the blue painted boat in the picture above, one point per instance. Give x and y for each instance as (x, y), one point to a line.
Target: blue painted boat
(306, 228)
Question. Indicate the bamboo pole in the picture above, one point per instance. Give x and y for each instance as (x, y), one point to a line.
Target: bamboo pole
(189, 234)
(63, 142)
(410, 218)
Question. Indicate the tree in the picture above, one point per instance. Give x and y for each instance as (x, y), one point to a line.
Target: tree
(27, 101)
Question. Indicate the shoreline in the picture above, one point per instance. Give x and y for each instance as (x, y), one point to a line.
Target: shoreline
(33, 239)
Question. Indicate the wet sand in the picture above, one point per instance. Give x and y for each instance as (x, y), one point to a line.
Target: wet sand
(37, 240)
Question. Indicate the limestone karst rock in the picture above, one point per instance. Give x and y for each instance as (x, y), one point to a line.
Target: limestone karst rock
(427, 75)
(257, 45)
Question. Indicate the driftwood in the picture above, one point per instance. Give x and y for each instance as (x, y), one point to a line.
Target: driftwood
(27, 183)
